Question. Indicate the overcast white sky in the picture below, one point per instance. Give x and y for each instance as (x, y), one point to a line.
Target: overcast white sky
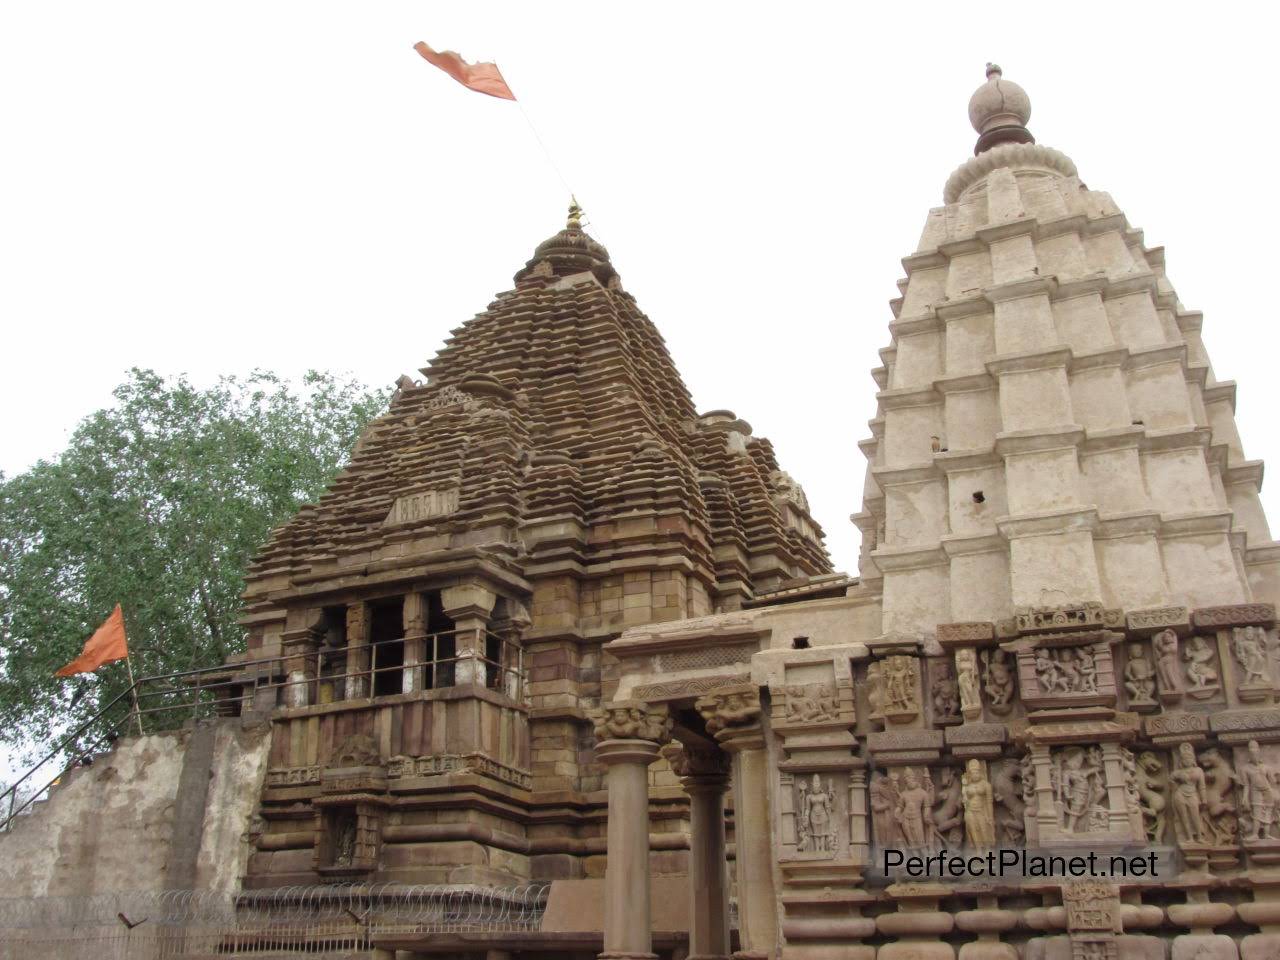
(211, 187)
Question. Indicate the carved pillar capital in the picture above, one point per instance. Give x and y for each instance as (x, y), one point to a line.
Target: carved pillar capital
(630, 720)
(732, 714)
(699, 768)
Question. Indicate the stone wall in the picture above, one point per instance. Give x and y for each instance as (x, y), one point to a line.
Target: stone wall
(164, 811)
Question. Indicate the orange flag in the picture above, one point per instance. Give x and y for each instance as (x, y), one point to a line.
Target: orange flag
(107, 645)
(481, 77)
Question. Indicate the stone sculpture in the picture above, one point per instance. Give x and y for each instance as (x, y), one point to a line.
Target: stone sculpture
(998, 680)
(967, 674)
(944, 693)
(914, 810)
(1201, 676)
(1166, 647)
(883, 798)
(1007, 794)
(1152, 782)
(728, 708)
(631, 720)
(900, 684)
(1139, 676)
(1219, 802)
(1249, 647)
(815, 816)
(1259, 793)
(1066, 670)
(811, 702)
(1188, 798)
(949, 810)
(979, 807)
(1081, 791)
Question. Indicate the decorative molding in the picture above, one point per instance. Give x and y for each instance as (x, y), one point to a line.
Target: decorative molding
(680, 689)
(474, 763)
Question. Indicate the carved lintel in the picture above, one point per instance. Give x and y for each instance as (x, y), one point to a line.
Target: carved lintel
(974, 633)
(1145, 622)
(1235, 615)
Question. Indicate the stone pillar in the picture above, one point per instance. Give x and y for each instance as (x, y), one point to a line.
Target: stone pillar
(300, 643)
(733, 715)
(415, 632)
(357, 670)
(629, 733)
(704, 775)
(469, 606)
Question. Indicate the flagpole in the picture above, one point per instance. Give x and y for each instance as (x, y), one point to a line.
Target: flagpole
(133, 690)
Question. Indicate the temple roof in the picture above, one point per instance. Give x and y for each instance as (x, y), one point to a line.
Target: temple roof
(553, 431)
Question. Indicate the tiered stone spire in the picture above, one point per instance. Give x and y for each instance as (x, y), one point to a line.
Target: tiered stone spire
(1049, 427)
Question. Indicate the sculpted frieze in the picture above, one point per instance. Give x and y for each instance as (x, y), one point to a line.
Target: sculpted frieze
(810, 702)
(1069, 617)
(1249, 648)
(1200, 661)
(679, 689)
(1259, 795)
(1139, 677)
(1236, 615)
(944, 693)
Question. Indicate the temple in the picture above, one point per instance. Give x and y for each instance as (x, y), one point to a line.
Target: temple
(554, 630)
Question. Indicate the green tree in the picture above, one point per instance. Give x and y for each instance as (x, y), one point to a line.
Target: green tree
(157, 503)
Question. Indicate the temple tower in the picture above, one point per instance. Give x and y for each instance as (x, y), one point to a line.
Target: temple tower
(1049, 428)
(425, 640)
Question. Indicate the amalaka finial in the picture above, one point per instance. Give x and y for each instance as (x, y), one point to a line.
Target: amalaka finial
(575, 214)
(999, 111)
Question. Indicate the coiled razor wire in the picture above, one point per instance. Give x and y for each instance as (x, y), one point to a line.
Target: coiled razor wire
(452, 908)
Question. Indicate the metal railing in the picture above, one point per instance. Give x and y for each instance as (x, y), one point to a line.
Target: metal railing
(289, 922)
(168, 701)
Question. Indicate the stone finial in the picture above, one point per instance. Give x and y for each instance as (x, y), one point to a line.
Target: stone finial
(999, 111)
(575, 215)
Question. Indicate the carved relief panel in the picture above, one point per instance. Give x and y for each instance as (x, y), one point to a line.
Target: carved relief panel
(1066, 670)
(814, 815)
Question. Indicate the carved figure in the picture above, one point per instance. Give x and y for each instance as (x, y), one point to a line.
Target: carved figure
(967, 676)
(997, 680)
(358, 750)
(1027, 772)
(1166, 646)
(1259, 792)
(1048, 677)
(1139, 676)
(816, 824)
(948, 811)
(1219, 801)
(631, 720)
(1188, 797)
(727, 708)
(875, 691)
(943, 692)
(900, 684)
(811, 702)
(1249, 647)
(1076, 790)
(979, 807)
(1007, 794)
(914, 811)
(1199, 655)
(883, 797)
(1087, 666)
(1151, 782)
(344, 841)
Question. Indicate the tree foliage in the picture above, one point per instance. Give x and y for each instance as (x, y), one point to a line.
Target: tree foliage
(157, 503)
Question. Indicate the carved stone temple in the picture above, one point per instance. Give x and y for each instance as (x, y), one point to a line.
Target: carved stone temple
(552, 625)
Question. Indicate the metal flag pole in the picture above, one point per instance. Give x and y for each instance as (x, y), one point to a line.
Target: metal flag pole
(133, 691)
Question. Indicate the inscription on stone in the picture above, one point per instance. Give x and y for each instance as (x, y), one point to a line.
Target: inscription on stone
(424, 505)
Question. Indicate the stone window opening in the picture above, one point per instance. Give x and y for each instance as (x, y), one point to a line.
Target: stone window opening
(800, 643)
(386, 637)
(979, 497)
(332, 654)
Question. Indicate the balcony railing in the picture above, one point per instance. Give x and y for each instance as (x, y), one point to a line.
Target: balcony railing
(166, 702)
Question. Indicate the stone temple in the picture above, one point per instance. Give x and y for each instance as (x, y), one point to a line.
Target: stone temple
(553, 630)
